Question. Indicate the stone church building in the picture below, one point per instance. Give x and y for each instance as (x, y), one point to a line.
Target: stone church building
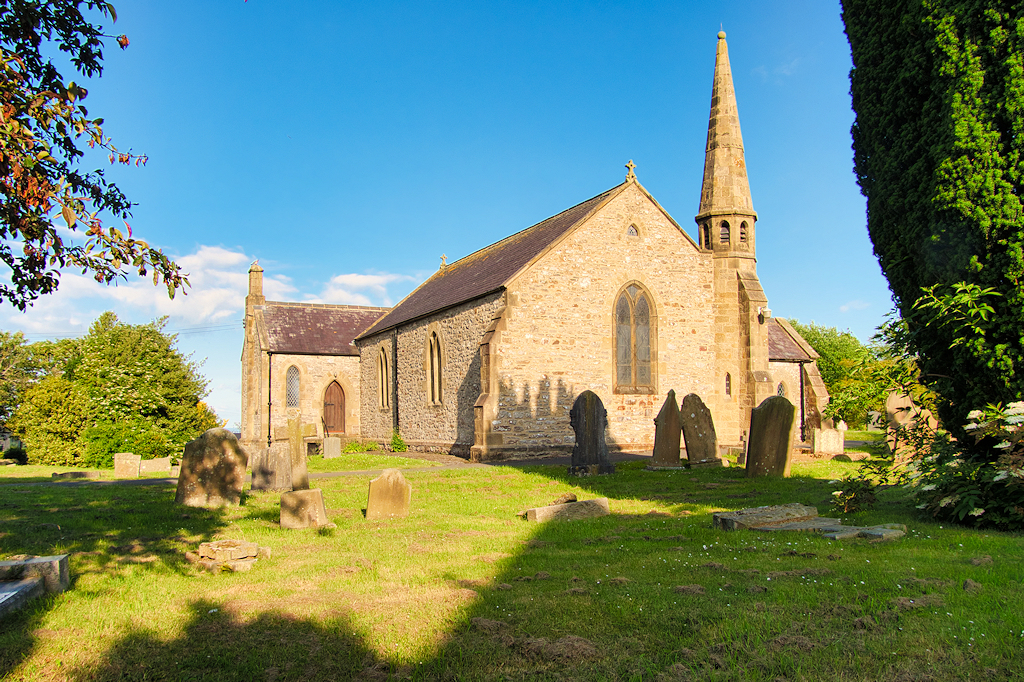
(485, 358)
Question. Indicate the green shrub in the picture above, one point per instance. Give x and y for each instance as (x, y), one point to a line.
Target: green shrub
(17, 453)
(361, 446)
(104, 440)
(397, 444)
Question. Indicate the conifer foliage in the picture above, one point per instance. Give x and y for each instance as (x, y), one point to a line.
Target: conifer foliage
(938, 91)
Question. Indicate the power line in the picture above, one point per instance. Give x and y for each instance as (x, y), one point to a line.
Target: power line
(205, 329)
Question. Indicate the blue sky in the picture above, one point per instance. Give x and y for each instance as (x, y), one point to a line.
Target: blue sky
(348, 145)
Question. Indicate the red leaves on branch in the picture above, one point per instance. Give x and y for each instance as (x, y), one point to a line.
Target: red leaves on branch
(122, 40)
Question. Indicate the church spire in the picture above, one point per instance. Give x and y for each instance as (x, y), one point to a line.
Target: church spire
(725, 190)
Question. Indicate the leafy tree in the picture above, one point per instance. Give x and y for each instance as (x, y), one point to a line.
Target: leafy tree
(938, 90)
(849, 370)
(43, 129)
(128, 390)
(18, 369)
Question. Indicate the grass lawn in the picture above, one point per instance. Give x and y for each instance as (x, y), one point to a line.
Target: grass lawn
(463, 589)
(357, 461)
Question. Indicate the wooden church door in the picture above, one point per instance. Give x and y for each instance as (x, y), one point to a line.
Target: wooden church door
(334, 409)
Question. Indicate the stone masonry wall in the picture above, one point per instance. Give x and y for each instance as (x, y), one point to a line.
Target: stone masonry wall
(316, 373)
(377, 422)
(558, 338)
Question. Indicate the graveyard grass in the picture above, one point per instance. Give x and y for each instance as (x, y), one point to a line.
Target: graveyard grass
(463, 589)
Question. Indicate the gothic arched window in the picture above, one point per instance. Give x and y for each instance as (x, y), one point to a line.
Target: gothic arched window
(724, 235)
(743, 231)
(291, 384)
(635, 332)
(383, 379)
(728, 384)
(706, 234)
(782, 390)
(435, 368)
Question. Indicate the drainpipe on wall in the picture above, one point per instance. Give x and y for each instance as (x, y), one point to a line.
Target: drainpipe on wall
(803, 400)
(270, 399)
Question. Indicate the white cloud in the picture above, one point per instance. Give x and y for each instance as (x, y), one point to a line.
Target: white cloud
(359, 289)
(856, 304)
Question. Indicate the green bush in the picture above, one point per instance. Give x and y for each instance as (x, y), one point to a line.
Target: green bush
(104, 440)
(361, 446)
(397, 444)
(17, 453)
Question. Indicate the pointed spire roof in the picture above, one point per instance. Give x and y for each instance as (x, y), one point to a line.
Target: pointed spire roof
(725, 189)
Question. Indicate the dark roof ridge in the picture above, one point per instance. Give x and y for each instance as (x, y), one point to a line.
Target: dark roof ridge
(333, 306)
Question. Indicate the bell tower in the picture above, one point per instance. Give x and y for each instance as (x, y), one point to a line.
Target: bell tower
(726, 224)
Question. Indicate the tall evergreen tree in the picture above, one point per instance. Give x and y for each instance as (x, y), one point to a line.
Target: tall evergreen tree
(938, 90)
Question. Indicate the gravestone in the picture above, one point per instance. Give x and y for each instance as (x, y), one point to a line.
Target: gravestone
(569, 511)
(161, 465)
(698, 432)
(390, 496)
(297, 452)
(589, 420)
(212, 470)
(771, 437)
(666, 435)
(332, 447)
(272, 468)
(127, 465)
(304, 509)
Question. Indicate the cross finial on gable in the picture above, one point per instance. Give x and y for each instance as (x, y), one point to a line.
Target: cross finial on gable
(631, 175)
(444, 261)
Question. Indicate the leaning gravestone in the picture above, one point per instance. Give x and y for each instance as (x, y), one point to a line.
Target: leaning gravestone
(212, 470)
(589, 420)
(390, 496)
(127, 465)
(304, 509)
(770, 446)
(698, 432)
(666, 435)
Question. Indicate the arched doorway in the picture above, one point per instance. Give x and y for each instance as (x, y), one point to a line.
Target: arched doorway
(334, 409)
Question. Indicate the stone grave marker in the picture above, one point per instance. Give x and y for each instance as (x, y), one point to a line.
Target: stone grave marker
(161, 465)
(297, 452)
(332, 447)
(569, 511)
(699, 432)
(802, 518)
(771, 437)
(390, 496)
(304, 509)
(127, 465)
(212, 470)
(272, 468)
(589, 419)
(666, 435)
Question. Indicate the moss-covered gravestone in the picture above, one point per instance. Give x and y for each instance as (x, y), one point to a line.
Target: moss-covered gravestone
(212, 470)
(699, 432)
(589, 420)
(770, 444)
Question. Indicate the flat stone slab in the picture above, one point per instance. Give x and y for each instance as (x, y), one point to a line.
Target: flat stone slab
(763, 516)
(228, 550)
(15, 594)
(570, 511)
(69, 475)
(52, 570)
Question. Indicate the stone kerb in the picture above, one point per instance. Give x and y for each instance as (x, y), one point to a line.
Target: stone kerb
(212, 470)
(390, 496)
(667, 434)
(127, 465)
(769, 449)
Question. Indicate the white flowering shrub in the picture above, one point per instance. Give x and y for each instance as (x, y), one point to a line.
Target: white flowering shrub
(981, 483)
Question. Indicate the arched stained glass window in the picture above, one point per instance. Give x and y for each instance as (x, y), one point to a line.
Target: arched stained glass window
(383, 380)
(435, 368)
(291, 384)
(634, 333)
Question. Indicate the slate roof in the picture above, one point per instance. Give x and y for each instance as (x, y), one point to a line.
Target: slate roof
(489, 269)
(316, 329)
(785, 344)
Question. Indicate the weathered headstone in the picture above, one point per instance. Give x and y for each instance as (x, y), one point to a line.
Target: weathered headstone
(827, 441)
(666, 435)
(127, 465)
(212, 470)
(304, 509)
(699, 432)
(771, 437)
(390, 496)
(589, 420)
(332, 447)
(161, 465)
(297, 451)
(272, 468)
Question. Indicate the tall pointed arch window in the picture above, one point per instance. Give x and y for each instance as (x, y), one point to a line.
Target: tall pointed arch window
(635, 332)
(728, 384)
(706, 234)
(383, 380)
(291, 385)
(743, 231)
(724, 234)
(434, 380)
